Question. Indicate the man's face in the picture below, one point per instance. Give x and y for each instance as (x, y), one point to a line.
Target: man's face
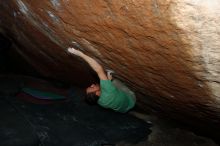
(93, 88)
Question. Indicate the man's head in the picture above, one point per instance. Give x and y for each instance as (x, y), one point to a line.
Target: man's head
(92, 94)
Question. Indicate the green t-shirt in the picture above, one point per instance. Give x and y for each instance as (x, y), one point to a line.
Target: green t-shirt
(114, 98)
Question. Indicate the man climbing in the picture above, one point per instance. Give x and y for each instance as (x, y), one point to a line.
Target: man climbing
(108, 94)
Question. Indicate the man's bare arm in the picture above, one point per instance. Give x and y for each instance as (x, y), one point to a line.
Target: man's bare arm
(92, 62)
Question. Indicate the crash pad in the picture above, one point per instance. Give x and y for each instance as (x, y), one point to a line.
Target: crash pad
(42, 94)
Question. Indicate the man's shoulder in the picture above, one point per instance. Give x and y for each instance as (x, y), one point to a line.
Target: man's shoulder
(104, 83)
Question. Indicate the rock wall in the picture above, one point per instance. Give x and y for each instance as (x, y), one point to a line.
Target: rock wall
(168, 51)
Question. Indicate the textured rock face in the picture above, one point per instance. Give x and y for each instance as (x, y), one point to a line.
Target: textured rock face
(167, 49)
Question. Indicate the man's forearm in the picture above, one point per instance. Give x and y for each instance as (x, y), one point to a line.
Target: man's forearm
(95, 66)
(92, 62)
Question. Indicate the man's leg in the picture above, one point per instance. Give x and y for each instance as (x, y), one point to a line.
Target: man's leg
(118, 84)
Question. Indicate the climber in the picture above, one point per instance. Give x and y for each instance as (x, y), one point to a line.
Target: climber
(108, 94)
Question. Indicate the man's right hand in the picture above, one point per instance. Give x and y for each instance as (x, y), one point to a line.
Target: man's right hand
(109, 74)
(74, 51)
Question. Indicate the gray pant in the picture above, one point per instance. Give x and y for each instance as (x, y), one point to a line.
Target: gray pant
(118, 84)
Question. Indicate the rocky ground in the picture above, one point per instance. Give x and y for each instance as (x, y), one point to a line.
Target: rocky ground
(159, 132)
(165, 133)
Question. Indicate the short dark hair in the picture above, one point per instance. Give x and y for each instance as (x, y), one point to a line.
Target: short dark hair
(91, 98)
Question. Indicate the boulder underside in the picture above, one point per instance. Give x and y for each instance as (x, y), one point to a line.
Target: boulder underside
(167, 51)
